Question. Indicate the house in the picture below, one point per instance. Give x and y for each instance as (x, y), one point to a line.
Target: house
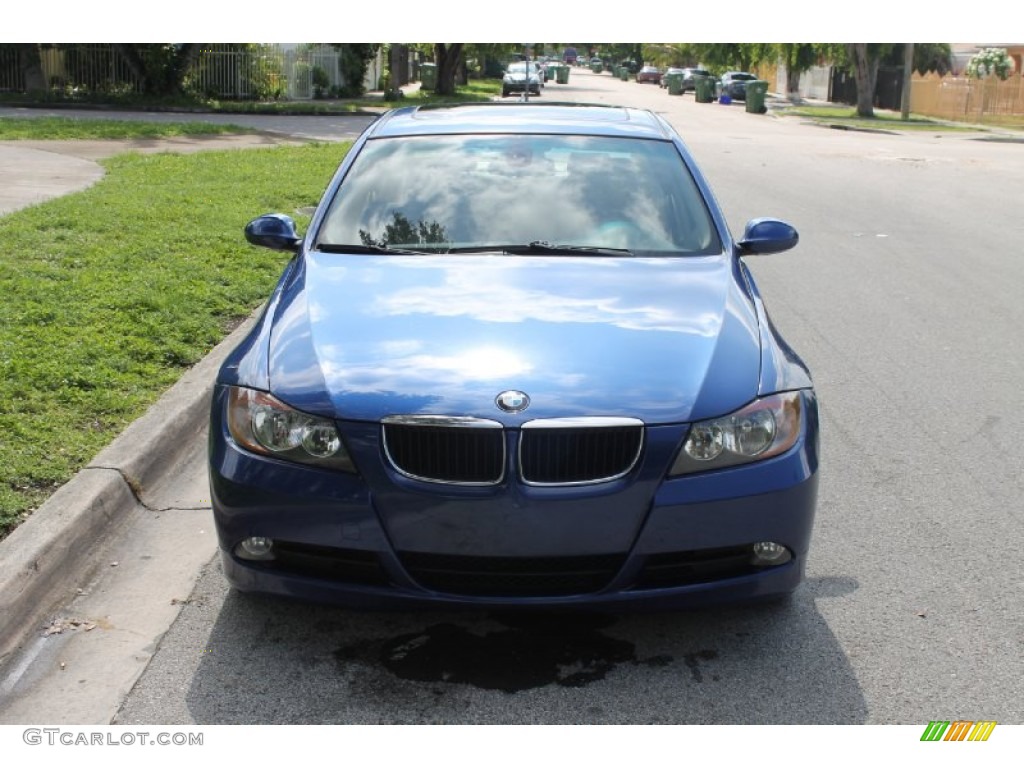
(964, 52)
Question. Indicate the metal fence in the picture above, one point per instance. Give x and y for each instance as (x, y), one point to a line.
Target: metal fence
(253, 72)
(269, 72)
(92, 68)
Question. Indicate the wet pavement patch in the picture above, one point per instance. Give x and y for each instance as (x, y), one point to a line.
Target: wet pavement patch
(528, 652)
(693, 660)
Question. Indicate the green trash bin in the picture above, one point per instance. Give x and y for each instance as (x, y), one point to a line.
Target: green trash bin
(551, 71)
(674, 83)
(428, 76)
(562, 75)
(704, 89)
(624, 73)
(756, 91)
(595, 67)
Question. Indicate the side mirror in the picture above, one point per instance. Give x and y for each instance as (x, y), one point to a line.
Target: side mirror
(275, 231)
(767, 236)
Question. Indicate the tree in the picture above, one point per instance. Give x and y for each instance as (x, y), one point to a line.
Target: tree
(933, 57)
(160, 68)
(619, 53)
(865, 58)
(798, 58)
(447, 57)
(742, 56)
(31, 66)
(354, 60)
(404, 232)
(672, 54)
(488, 58)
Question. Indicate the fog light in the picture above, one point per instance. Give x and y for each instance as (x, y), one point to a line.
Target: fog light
(770, 553)
(255, 548)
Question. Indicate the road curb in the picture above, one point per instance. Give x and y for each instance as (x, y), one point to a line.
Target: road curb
(52, 554)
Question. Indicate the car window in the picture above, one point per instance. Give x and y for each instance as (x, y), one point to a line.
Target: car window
(443, 192)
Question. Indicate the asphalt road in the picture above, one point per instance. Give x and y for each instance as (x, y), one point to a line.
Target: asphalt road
(903, 297)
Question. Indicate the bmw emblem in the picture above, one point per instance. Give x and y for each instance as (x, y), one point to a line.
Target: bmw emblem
(513, 401)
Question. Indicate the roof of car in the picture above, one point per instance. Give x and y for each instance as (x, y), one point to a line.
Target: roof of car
(520, 117)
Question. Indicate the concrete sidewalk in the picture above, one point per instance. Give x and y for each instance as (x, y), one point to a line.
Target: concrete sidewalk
(33, 176)
(36, 171)
(45, 561)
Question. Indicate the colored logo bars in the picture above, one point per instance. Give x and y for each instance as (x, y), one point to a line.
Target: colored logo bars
(960, 730)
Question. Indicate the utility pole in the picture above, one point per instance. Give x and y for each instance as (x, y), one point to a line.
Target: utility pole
(526, 91)
(908, 71)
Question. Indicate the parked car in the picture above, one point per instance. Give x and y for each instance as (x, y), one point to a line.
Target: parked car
(649, 75)
(520, 76)
(472, 387)
(734, 84)
(541, 70)
(663, 82)
(690, 75)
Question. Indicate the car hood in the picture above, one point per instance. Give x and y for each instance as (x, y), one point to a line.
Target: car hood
(665, 340)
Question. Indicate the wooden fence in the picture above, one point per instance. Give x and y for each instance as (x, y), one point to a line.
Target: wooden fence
(968, 100)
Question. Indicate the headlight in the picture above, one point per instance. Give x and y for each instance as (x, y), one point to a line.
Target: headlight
(764, 428)
(263, 424)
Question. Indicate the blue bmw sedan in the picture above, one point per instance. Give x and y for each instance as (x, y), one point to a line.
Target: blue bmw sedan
(516, 360)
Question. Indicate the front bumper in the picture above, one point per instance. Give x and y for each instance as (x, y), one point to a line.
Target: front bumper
(380, 541)
(519, 87)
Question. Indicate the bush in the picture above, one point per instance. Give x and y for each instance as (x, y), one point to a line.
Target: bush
(990, 61)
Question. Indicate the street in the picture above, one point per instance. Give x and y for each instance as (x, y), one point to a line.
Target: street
(903, 299)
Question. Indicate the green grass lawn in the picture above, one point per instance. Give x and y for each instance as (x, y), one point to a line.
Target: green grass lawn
(63, 128)
(883, 120)
(111, 293)
(474, 90)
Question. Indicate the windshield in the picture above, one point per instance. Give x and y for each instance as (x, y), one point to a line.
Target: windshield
(441, 193)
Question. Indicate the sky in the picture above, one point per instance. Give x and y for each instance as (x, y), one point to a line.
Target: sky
(473, 21)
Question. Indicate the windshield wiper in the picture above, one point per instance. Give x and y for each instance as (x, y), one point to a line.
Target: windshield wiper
(336, 248)
(543, 247)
